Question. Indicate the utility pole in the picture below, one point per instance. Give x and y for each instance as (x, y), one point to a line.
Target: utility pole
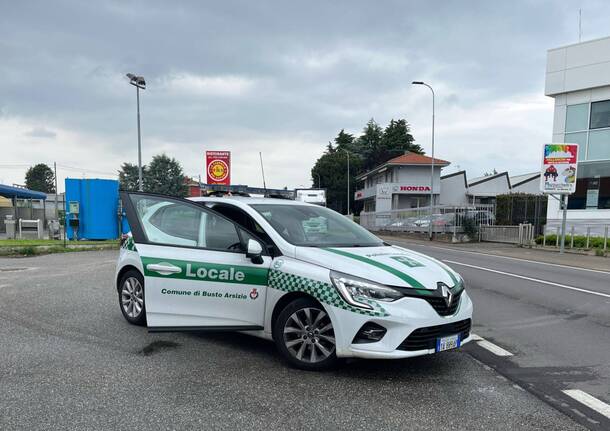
(347, 209)
(56, 191)
(579, 25)
(564, 206)
(260, 154)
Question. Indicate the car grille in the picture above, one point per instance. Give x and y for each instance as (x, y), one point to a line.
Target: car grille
(440, 306)
(425, 338)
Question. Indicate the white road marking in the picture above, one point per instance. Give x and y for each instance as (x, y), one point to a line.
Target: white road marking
(488, 345)
(536, 280)
(496, 350)
(589, 401)
(513, 258)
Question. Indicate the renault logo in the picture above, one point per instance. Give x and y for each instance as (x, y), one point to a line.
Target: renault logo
(445, 293)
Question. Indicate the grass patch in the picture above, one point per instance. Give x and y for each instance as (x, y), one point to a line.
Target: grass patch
(34, 247)
(51, 242)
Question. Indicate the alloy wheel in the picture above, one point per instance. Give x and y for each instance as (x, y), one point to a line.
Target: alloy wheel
(309, 335)
(132, 297)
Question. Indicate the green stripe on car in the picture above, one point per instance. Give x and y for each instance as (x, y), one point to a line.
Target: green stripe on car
(404, 277)
(206, 271)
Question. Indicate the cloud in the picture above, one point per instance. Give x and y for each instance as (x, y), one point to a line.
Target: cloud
(199, 85)
(278, 77)
(41, 132)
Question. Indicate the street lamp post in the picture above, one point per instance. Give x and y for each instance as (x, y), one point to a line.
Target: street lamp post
(139, 83)
(347, 153)
(432, 164)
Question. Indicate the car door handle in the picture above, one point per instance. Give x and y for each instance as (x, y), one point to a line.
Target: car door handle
(163, 268)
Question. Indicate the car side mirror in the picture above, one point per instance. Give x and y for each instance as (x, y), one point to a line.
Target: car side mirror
(255, 251)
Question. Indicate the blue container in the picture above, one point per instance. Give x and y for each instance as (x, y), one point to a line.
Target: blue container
(98, 202)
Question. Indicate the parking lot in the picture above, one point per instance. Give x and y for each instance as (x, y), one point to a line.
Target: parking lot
(68, 360)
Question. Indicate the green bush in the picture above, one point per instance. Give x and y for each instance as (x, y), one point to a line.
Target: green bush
(28, 251)
(580, 241)
(470, 227)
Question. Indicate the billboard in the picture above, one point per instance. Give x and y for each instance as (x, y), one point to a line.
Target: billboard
(218, 167)
(559, 163)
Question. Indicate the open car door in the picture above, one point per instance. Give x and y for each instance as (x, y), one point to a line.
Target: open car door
(197, 272)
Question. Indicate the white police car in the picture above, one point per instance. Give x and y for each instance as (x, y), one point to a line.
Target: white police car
(308, 278)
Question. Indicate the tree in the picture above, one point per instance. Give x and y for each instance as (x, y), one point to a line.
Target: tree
(128, 176)
(370, 143)
(374, 147)
(165, 176)
(332, 170)
(397, 138)
(40, 177)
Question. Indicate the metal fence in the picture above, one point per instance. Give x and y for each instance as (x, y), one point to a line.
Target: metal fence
(523, 234)
(578, 236)
(449, 219)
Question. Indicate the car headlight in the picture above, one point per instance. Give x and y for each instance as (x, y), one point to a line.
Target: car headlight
(356, 290)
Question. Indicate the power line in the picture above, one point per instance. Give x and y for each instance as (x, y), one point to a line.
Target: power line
(66, 167)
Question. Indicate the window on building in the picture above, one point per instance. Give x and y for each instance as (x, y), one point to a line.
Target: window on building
(577, 117)
(579, 138)
(588, 124)
(592, 187)
(599, 145)
(600, 114)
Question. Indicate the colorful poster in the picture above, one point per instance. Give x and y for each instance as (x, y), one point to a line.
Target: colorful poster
(218, 167)
(559, 164)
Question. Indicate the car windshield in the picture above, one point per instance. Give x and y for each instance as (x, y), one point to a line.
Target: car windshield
(313, 226)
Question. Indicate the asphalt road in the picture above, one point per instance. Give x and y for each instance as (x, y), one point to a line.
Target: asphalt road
(68, 360)
(554, 319)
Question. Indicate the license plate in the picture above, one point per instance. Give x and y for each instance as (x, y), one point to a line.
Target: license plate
(449, 342)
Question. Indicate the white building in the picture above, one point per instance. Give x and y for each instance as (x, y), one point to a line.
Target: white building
(400, 183)
(578, 78)
(526, 183)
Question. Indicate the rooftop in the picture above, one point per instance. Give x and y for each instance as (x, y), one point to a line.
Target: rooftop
(407, 159)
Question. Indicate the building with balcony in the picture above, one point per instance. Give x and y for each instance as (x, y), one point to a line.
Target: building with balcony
(578, 78)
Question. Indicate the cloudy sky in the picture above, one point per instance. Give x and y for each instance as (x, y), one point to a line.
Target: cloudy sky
(281, 77)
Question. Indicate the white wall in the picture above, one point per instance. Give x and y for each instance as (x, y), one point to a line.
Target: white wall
(453, 191)
(532, 187)
(417, 176)
(579, 66)
(491, 187)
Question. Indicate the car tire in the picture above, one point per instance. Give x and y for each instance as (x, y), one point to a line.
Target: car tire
(304, 335)
(131, 297)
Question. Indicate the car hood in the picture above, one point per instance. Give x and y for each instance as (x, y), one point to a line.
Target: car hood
(388, 265)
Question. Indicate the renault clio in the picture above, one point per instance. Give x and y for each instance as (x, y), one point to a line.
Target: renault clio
(317, 284)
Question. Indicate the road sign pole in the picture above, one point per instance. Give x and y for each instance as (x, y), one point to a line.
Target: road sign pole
(564, 204)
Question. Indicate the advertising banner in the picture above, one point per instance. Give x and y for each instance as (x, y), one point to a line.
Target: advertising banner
(218, 167)
(559, 168)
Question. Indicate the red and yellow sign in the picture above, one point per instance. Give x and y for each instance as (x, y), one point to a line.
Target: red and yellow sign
(218, 167)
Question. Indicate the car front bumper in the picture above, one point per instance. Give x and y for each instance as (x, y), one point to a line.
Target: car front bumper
(405, 316)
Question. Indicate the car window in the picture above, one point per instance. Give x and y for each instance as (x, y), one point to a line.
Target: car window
(177, 221)
(244, 220)
(165, 221)
(315, 226)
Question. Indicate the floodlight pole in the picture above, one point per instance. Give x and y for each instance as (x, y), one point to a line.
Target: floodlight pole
(139, 83)
(140, 185)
